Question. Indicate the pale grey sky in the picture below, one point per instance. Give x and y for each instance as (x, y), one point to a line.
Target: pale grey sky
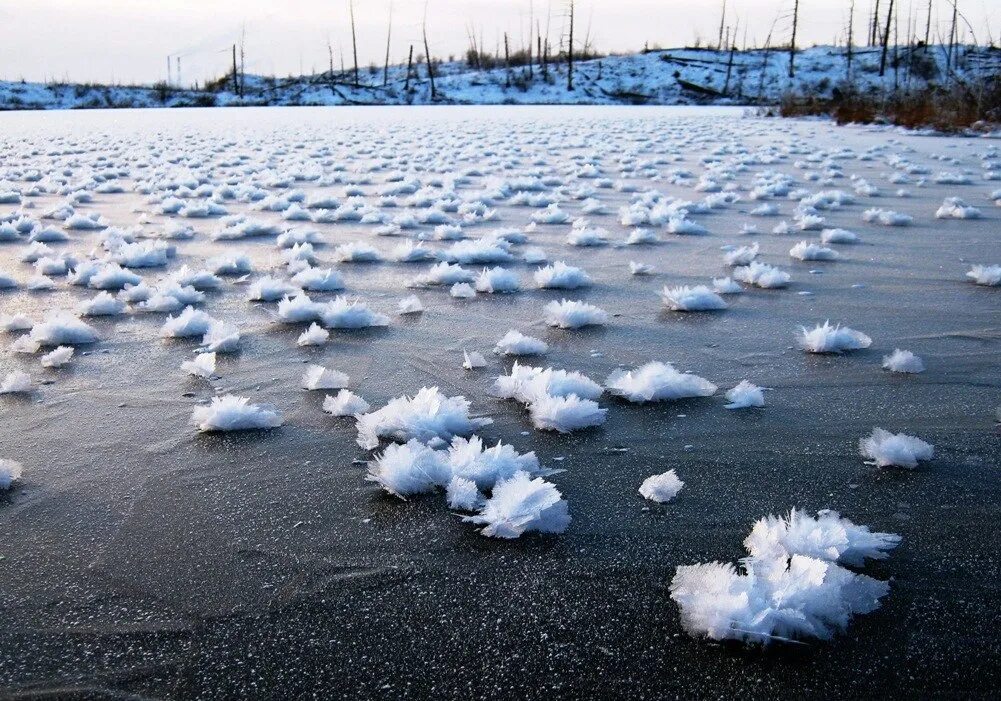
(129, 40)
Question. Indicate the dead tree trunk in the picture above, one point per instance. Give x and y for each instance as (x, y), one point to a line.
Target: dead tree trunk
(886, 41)
(874, 27)
(507, 63)
(952, 37)
(851, 40)
(389, 37)
(792, 44)
(236, 78)
(354, 41)
(764, 66)
(540, 57)
(722, 19)
(570, 51)
(729, 63)
(928, 26)
(410, 62)
(531, 21)
(427, 56)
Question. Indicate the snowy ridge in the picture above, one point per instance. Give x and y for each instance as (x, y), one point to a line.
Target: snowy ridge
(679, 76)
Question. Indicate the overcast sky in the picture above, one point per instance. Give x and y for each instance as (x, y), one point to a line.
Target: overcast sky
(129, 40)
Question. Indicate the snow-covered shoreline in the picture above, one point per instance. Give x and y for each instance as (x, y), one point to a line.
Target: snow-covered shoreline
(684, 76)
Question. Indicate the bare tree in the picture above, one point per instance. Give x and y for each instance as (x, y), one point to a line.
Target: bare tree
(764, 59)
(236, 79)
(570, 51)
(507, 63)
(874, 26)
(427, 50)
(410, 62)
(389, 36)
(243, 66)
(354, 41)
(952, 36)
(851, 41)
(722, 19)
(792, 44)
(587, 34)
(729, 64)
(886, 41)
(531, 21)
(928, 25)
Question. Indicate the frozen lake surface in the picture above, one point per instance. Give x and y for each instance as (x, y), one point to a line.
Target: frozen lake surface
(140, 556)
